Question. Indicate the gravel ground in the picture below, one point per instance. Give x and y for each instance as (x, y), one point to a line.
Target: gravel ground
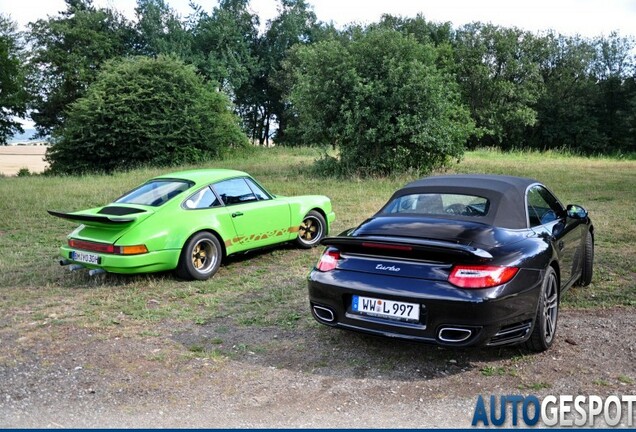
(212, 376)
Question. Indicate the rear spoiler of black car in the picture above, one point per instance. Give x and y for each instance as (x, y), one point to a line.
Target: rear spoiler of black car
(86, 218)
(437, 250)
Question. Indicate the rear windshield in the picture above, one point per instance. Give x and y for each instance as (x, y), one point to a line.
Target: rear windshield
(439, 204)
(155, 192)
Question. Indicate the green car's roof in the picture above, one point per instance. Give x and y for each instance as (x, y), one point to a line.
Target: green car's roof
(204, 175)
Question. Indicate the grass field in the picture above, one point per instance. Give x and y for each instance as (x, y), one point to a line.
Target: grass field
(269, 287)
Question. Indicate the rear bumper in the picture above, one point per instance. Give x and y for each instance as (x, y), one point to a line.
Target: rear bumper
(129, 264)
(448, 315)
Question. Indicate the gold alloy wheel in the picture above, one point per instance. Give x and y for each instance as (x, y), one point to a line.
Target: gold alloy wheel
(204, 256)
(310, 230)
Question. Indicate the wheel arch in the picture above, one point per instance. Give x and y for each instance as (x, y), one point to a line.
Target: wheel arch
(299, 206)
(322, 213)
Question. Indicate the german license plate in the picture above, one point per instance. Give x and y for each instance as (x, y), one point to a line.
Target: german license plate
(386, 308)
(84, 257)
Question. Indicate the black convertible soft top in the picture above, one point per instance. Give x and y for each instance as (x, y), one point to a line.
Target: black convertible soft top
(507, 195)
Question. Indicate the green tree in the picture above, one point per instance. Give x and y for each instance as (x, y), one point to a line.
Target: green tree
(143, 111)
(160, 30)
(68, 52)
(295, 24)
(566, 115)
(382, 100)
(615, 70)
(225, 45)
(13, 94)
(439, 34)
(498, 72)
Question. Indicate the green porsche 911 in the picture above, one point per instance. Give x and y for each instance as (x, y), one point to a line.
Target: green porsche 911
(189, 221)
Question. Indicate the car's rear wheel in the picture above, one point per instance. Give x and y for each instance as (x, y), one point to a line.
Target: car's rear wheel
(312, 229)
(545, 324)
(200, 257)
(588, 261)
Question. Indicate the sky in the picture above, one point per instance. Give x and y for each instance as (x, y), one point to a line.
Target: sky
(569, 17)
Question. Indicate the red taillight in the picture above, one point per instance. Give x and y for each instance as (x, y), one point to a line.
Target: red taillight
(91, 246)
(107, 248)
(465, 276)
(328, 260)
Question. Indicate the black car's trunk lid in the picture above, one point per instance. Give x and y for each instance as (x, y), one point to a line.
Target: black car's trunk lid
(409, 248)
(417, 247)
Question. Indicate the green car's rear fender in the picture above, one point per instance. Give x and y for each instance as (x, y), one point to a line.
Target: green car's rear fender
(301, 205)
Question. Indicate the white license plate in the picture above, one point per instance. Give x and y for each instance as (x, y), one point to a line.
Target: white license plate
(84, 257)
(386, 308)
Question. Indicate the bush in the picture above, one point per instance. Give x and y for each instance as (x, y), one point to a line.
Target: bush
(381, 98)
(23, 172)
(144, 111)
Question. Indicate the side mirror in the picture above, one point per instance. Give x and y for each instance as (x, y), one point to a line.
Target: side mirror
(576, 211)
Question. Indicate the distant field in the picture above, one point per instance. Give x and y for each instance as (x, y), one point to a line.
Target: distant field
(13, 158)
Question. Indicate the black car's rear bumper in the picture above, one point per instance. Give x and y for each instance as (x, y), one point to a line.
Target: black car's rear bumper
(448, 315)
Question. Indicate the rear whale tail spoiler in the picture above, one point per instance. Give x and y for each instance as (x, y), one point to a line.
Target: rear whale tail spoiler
(93, 219)
(436, 250)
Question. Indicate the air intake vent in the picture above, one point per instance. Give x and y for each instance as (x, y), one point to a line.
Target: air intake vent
(119, 211)
(511, 333)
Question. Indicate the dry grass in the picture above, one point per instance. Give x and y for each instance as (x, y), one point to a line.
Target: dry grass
(15, 158)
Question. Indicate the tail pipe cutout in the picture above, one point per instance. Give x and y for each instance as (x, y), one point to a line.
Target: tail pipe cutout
(324, 314)
(454, 334)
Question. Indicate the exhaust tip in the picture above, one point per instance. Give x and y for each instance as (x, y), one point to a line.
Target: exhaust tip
(65, 262)
(74, 267)
(95, 272)
(324, 314)
(454, 334)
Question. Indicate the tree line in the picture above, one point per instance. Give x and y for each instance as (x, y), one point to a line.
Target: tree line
(400, 93)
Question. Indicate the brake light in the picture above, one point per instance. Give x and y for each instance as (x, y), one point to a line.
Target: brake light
(476, 276)
(328, 260)
(91, 246)
(387, 246)
(107, 248)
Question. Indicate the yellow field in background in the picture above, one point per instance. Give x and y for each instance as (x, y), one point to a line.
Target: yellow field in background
(14, 158)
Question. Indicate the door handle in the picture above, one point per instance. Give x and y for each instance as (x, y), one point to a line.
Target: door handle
(237, 214)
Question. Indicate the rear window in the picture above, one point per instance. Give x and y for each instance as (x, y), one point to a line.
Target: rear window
(439, 204)
(155, 192)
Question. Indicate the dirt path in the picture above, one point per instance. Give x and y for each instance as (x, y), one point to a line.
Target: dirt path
(224, 376)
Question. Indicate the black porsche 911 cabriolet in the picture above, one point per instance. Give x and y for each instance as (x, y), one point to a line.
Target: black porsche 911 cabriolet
(457, 260)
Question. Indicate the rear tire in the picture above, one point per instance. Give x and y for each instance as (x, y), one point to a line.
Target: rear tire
(312, 229)
(587, 261)
(545, 323)
(200, 257)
